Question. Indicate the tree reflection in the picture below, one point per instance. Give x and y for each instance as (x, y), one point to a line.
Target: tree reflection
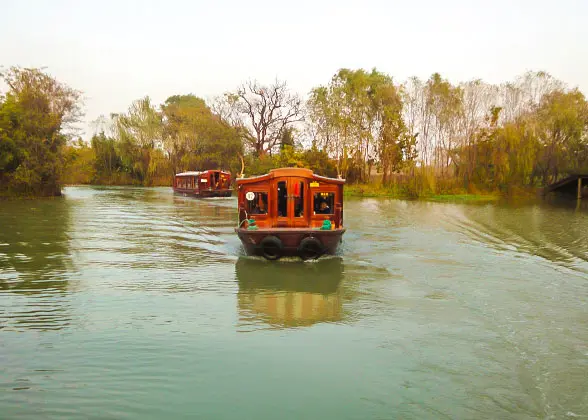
(289, 294)
(34, 262)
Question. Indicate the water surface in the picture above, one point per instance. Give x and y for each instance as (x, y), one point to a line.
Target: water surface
(135, 303)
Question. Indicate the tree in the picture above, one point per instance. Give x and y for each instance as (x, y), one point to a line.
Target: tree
(445, 105)
(287, 138)
(328, 127)
(138, 133)
(562, 123)
(106, 158)
(195, 137)
(182, 116)
(261, 113)
(35, 117)
(396, 147)
(358, 121)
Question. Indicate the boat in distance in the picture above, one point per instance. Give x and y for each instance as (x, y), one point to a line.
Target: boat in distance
(290, 212)
(211, 183)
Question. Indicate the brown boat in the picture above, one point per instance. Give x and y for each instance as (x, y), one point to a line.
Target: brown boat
(290, 212)
(212, 183)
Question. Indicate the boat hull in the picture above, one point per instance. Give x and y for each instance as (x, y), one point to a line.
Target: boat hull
(291, 240)
(204, 193)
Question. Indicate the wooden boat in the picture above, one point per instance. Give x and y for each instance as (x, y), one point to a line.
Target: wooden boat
(212, 183)
(290, 212)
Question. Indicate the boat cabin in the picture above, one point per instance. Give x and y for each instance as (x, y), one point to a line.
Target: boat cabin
(290, 204)
(213, 183)
(291, 197)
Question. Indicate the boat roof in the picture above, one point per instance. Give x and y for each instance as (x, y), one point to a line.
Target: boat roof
(195, 173)
(294, 172)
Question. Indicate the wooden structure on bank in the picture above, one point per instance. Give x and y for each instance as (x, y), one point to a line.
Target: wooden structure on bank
(575, 184)
(212, 183)
(289, 212)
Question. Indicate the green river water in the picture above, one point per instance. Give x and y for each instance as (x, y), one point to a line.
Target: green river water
(133, 303)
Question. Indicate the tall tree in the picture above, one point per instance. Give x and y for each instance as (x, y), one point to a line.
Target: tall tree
(138, 132)
(287, 139)
(36, 117)
(358, 119)
(562, 127)
(261, 113)
(195, 137)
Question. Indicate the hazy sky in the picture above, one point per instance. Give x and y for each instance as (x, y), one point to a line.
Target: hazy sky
(118, 51)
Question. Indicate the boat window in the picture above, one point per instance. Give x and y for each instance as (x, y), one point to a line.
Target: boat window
(282, 199)
(324, 202)
(299, 199)
(224, 182)
(215, 180)
(256, 202)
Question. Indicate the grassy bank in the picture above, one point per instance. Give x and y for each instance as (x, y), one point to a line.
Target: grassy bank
(117, 180)
(401, 192)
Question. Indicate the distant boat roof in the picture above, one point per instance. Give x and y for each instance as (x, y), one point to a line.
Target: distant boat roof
(194, 173)
(290, 172)
(190, 173)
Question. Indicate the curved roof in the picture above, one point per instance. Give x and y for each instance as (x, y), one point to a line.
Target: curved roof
(195, 173)
(189, 173)
(286, 172)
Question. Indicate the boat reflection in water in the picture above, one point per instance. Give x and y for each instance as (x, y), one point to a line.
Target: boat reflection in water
(289, 294)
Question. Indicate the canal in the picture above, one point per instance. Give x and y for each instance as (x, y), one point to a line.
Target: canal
(133, 303)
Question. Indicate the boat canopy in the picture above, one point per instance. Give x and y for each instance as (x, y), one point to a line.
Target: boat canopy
(196, 173)
(288, 172)
(190, 173)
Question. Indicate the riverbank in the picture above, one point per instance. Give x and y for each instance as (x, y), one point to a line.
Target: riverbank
(401, 193)
(12, 195)
(357, 191)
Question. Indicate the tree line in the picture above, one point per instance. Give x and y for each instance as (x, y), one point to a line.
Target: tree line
(419, 136)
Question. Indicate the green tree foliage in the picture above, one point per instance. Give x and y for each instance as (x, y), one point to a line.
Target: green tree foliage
(360, 126)
(139, 132)
(526, 133)
(195, 137)
(358, 119)
(79, 163)
(148, 146)
(287, 138)
(561, 123)
(293, 157)
(35, 115)
(106, 157)
(544, 143)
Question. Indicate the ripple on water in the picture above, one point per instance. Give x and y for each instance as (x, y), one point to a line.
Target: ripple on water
(136, 303)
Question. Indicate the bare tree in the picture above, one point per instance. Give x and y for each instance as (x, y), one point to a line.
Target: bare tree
(262, 113)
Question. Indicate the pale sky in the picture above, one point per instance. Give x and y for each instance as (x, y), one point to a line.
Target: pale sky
(119, 51)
